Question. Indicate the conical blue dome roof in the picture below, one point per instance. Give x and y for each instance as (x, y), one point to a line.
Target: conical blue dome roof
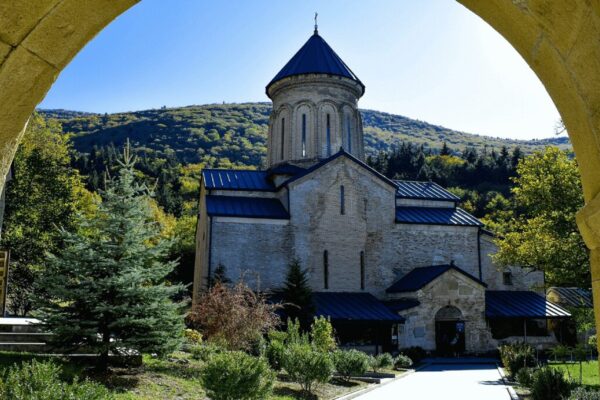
(315, 57)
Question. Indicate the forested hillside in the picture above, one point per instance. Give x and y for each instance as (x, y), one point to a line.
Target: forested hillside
(234, 135)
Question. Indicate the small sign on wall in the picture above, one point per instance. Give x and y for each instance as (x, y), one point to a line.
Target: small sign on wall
(4, 257)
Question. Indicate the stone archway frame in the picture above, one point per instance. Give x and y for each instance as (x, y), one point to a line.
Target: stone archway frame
(558, 39)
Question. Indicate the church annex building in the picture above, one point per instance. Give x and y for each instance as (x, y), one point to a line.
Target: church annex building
(394, 264)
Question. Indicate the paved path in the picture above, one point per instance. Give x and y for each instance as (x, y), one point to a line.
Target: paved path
(445, 382)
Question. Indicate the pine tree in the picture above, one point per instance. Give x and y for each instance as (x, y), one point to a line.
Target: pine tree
(297, 295)
(105, 289)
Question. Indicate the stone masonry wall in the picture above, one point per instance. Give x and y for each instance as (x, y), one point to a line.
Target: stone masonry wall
(451, 289)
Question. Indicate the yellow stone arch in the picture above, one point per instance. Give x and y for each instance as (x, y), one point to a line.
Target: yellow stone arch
(560, 40)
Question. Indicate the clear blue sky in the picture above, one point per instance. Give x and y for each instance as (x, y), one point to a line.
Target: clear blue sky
(431, 60)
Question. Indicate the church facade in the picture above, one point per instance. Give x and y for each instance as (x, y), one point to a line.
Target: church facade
(394, 264)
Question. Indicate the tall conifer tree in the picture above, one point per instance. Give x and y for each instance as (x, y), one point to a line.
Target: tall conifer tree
(106, 289)
(297, 294)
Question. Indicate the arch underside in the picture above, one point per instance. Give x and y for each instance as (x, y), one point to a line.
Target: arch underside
(558, 39)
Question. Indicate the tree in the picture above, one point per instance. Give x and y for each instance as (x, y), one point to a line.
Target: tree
(105, 289)
(297, 295)
(543, 234)
(44, 192)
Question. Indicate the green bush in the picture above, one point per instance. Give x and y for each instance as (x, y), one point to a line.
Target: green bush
(41, 381)
(321, 334)
(559, 352)
(549, 384)
(192, 336)
(525, 377)
(350, 363)
(415, 353)
(402, 361)
(307, 366)
(204, 351)
(584, 394)
(516, 356)
(275, 354)
(380, 361)
(234, 375)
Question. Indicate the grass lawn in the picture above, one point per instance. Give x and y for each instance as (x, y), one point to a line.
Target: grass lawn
(591, 377)
(174, 378)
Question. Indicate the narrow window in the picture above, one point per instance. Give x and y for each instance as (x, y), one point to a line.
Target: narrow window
(362, 270)
(349, 134)
(326, 269)
(328, 135)
(507, 278)
(282, 138)
(303, 135)
(342, 201)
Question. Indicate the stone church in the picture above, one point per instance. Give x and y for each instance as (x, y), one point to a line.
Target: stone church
(394, 264)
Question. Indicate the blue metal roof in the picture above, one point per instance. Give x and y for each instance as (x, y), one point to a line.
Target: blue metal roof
(572, 296)
(247, 207)
(520, 304)
(401, 304)
(235, 179)
(424, 191)
(315, 57)
(419, 277)
(435, 216)
(345, 306)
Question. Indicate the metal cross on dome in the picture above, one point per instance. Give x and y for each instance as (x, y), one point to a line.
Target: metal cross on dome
(316, 26)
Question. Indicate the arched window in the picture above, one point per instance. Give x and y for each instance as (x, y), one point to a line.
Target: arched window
(303, 135)
(342, 201)
(362, 270)
(282, 138)
(326, 269)
(328, 134)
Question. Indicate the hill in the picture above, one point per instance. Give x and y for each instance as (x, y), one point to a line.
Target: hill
(234, 135)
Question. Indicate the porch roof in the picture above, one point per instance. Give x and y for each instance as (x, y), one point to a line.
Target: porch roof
(352, 306)
(520, 304)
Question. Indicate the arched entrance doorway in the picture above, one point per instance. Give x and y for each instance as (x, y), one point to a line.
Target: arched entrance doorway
(449, 331)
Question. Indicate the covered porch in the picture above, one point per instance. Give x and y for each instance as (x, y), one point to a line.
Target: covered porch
(360, 320)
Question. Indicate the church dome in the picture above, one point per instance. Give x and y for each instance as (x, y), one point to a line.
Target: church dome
(316, 57)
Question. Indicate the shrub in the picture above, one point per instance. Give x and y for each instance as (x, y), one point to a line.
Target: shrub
(549, 384)
(415, 353)
(584, 394)
(192, 336)
(41, 381)
(402, 361)
(559, 352)
(384, 360)
(204, 351)
(237, 376)
(525, 377)
(307, 366)
(321, 334)
(350, 363)
(236, 315)
(516, 356)
(275, 354)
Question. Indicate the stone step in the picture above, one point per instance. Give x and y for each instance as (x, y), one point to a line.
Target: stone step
(19, 325)
(24, 337)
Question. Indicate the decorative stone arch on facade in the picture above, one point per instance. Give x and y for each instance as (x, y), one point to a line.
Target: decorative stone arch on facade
(328, 128)
(449, 313)
(281, 135)
(558, 39)
(304, 130)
